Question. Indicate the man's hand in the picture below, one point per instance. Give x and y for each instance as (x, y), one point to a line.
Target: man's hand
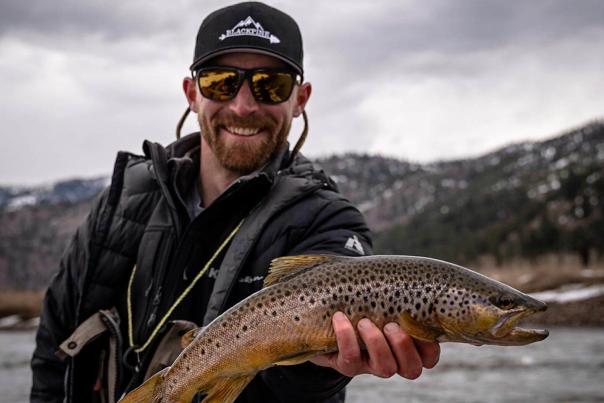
(388, 353)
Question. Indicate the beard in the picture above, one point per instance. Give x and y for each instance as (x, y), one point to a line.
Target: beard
(243, 157)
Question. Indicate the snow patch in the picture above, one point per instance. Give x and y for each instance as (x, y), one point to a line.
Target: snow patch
(570, 293)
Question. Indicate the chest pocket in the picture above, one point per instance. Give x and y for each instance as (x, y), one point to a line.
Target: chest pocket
(152, 262)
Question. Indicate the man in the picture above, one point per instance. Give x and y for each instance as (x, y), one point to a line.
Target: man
(184, 232)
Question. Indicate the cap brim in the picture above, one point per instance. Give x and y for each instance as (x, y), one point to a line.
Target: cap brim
(220, 52)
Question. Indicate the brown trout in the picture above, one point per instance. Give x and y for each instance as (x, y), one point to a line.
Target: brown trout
(289, 321)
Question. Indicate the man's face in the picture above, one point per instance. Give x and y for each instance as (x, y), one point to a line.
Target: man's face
(243, 133)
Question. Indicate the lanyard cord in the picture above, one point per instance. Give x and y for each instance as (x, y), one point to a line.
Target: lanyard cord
(178, 300)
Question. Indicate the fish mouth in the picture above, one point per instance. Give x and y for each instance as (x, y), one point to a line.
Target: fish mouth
(506, 331)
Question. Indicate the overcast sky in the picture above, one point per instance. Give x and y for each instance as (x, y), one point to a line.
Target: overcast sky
(418, 79)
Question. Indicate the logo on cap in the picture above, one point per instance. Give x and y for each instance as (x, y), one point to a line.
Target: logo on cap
(249, 27)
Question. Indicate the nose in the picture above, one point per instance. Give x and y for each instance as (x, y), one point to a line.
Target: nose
(244, 102)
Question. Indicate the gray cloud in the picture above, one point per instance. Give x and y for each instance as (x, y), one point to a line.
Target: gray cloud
(417, 79)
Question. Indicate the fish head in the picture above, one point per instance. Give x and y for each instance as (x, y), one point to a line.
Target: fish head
(481, 310)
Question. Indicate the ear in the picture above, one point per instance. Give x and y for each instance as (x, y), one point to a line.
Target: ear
(190, 89)
(302, 96)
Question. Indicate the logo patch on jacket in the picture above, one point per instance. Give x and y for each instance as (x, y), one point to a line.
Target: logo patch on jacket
(355, 245)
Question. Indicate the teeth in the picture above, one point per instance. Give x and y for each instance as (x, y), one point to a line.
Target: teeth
(243, 131)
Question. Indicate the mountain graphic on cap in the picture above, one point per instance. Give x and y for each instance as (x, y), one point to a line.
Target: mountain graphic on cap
(240, 29)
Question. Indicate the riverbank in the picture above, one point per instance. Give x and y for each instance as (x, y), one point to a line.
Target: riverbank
(575, 296)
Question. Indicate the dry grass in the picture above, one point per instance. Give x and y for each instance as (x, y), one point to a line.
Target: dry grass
(26, 303)
(546, 273)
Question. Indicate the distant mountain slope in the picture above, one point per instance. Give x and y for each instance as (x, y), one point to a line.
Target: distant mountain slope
(522, 200)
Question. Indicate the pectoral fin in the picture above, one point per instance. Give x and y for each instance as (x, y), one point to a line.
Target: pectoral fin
(226, 390)
(416, 329)
(297, 359)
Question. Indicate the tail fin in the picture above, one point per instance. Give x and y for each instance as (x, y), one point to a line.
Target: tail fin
(145, 392)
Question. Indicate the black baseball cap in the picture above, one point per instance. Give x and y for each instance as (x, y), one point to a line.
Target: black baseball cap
(249, 27)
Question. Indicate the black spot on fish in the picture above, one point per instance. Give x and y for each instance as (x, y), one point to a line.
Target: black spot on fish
(203, 351)
(274, 313)
(297, 318)
(244, 328)
(391, 310)
(373, 304)
(312, 300)
(301, 298)
(417, 306)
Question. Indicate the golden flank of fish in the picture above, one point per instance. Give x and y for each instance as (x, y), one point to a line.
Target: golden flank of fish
(289, 320)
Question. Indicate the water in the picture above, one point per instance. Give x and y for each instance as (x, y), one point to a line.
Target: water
(566, 367)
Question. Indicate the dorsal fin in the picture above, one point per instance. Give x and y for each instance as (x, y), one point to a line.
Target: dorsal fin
(289, 266)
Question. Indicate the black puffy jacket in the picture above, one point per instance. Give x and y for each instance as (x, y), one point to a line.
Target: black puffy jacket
(141, 219)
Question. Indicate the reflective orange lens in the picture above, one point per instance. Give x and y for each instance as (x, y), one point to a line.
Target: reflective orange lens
(219, 85)
(269, 86)
(272, 87)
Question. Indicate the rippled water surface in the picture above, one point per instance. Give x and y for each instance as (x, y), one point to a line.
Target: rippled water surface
(566, 367)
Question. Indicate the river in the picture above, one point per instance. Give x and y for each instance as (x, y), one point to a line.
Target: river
(566, 367)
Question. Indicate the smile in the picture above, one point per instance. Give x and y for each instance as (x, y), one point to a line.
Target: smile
(243, 131)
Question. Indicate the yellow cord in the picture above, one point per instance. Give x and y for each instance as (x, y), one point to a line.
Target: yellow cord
(178, 300)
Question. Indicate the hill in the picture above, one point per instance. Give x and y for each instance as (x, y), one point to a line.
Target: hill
(522, 201)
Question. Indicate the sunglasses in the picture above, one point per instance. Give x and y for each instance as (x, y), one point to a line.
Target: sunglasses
(268, 85)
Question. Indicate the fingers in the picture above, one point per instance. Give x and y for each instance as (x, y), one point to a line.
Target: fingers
(409, 360)
(429, 351)
(381, 361)
(389, 352)
(349, 360)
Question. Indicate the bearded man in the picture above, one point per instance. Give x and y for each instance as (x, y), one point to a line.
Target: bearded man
(186, 231)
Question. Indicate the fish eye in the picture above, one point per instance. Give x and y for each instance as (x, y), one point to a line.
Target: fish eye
(503, 302)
